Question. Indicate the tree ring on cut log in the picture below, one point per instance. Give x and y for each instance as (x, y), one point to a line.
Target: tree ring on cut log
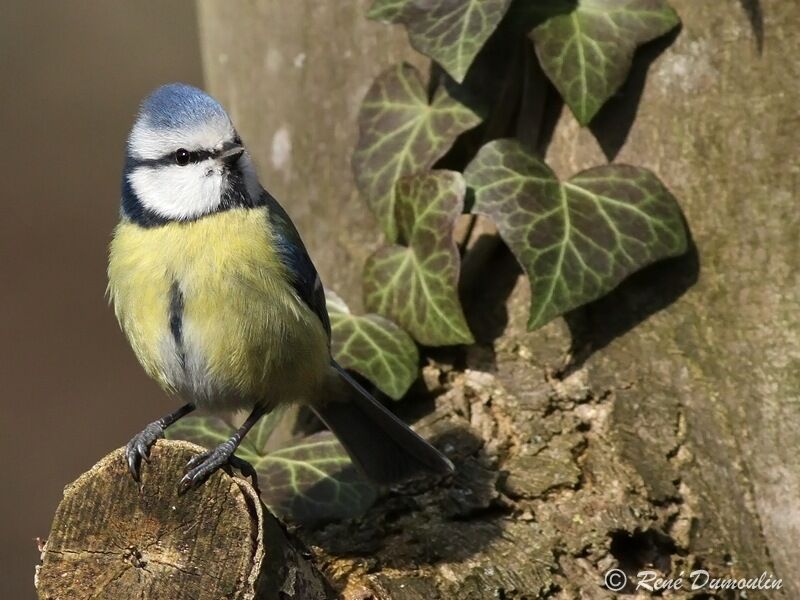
(111, 538)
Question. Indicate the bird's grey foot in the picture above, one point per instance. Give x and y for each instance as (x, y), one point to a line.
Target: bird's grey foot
(202, 466)
(138, 448)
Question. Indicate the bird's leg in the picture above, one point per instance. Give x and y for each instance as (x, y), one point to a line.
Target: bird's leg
(203, 465)
(139, 446)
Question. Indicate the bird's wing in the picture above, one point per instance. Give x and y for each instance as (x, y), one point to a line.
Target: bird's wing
(305, 278)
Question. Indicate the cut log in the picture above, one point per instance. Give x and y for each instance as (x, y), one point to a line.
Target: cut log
(114, 538)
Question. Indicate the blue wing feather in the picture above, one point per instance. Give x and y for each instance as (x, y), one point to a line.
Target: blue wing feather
(305, 278)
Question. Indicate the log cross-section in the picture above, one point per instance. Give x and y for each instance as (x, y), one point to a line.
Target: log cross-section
(114, 538)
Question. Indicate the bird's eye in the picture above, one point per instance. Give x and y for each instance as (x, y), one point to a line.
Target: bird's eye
(182, 157)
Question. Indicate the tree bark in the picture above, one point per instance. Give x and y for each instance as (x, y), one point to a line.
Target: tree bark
(112, 539)
(659, 426)
(715, 376)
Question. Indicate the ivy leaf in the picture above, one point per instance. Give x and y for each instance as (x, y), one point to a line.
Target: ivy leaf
(401, 132)
(586, 49)
(254, 444)
(451, 32)
(310, 481)
(416, 285)
(579, 239)
(313, 481)
(207, 430)
(374, 347)
(210, 431)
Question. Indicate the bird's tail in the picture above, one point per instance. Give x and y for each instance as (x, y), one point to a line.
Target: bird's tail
(381, 445)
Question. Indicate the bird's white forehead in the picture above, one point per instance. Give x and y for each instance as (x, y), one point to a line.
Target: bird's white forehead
(147, 142)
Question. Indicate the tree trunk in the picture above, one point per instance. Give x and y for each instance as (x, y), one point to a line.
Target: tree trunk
(716, 376)
(658, 426)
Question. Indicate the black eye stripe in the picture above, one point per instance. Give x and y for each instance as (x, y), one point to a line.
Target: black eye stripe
(169, 159)
(184, 157)
(200, 155)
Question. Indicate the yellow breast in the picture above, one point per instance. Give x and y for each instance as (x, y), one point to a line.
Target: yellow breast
(245, 336)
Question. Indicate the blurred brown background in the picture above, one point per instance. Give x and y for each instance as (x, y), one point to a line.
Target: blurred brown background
(71, 76)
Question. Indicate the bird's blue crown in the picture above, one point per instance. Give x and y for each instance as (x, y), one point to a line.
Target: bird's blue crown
(178, 105)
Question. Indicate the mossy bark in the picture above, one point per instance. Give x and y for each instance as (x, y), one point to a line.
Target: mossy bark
(658, 426)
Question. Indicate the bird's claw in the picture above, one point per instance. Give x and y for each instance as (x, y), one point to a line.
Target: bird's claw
(138, 448)
(246, 469)
(202, 466)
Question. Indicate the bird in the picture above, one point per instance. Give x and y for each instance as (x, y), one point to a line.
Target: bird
(223, 307)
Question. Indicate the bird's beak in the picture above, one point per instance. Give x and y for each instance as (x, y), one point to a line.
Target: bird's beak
(230, 154)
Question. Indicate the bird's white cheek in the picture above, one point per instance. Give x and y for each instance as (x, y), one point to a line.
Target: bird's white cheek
(176, 192)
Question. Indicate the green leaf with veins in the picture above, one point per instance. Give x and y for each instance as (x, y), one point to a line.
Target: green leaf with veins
(314, 480)
(310, 481)
(400, 132)
(416, 285)
(374, 347)
(451, 32)
(254, 443)
(586, 47)
(577, 240)
(209, 431)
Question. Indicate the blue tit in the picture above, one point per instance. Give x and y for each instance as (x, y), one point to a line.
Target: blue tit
(220, 301)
